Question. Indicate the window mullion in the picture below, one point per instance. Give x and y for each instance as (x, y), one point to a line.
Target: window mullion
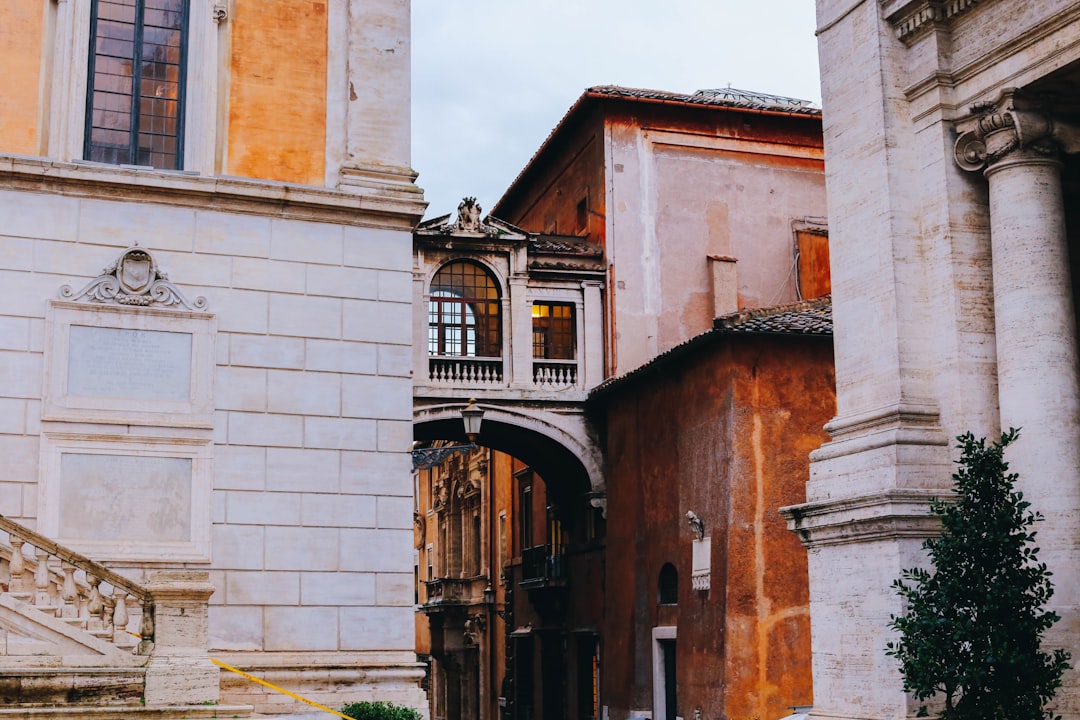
(136, 83)
(88, 123)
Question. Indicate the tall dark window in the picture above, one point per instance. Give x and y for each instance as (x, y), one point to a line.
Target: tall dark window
(669, 585)
(463, 314)
(526, 510)
(553, 331)
(135, 88)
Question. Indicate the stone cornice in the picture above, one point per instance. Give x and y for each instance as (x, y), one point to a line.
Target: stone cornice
(906, 423)
(890, 514)
(229, 194)
(911, 20)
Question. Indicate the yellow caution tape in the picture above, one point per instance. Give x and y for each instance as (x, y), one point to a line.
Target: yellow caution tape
(293, 695)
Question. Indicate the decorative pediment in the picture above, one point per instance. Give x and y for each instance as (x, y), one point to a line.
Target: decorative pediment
(470, 224)
(134, 279)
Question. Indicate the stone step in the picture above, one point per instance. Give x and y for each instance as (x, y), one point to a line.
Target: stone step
(60, 686)
(127, 712)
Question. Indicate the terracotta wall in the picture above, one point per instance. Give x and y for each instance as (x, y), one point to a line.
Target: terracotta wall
(689, 186)
(725, 434)
(277, 95)
(20, 71)
(551, 203)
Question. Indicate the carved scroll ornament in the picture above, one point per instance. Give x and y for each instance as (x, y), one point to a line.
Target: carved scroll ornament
(1014, 122)
(134, 279)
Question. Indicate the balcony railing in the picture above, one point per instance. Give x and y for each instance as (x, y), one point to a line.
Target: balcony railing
(447, 591)
(471, 371)
(555, 374)
(542, 565)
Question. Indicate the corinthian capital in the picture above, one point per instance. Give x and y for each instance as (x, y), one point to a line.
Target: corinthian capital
(1013, 123)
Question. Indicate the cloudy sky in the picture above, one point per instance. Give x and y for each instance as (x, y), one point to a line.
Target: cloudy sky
(491, 78)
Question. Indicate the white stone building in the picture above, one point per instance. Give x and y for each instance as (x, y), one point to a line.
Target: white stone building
(950, 141)
(246, 419)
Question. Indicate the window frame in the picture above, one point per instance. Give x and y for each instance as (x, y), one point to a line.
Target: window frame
(137, 61)
(67, 83)
(472, 325)
(547, 327)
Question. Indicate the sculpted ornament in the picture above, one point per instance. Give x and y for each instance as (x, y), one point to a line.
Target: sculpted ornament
(134, 279)
(468, 219)
(1014, 122)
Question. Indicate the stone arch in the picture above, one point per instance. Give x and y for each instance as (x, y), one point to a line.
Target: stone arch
(501, 278)
(560, 447)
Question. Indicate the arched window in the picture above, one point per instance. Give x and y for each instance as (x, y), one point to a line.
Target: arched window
(463, 313)
(669, 585)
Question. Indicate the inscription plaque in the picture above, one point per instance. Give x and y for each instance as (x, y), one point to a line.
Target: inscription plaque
(131, 364)
(137, 498)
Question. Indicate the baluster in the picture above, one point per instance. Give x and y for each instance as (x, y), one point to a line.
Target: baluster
(95, 607)
(41, 579)
(146, 627)
(120, 617)
(18, 566)
(68, 592)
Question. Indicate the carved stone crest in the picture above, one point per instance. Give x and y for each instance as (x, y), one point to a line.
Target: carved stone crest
(134, 279)
(468, 219)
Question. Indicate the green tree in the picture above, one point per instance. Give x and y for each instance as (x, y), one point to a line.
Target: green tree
(379, 710)
(974, 623)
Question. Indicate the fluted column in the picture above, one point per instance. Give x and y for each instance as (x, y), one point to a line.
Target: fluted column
(1017, 147)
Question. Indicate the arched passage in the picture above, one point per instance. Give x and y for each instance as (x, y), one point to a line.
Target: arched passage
(558, 447)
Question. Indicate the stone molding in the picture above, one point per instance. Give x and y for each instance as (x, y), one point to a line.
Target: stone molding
(906, 423)
(887, 515)
(1014, 122)
(221, 194)
(913, 20)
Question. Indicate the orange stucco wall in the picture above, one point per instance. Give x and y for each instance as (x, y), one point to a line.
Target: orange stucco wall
(724, 433)
(20, 65)
(277, 96)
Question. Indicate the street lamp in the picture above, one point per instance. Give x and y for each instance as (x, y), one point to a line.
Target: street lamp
(427, 457)
(472, 416)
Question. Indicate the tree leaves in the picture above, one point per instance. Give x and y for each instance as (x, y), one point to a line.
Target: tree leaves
(973, 627)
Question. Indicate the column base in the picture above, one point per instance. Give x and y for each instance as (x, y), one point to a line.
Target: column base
(383, 180)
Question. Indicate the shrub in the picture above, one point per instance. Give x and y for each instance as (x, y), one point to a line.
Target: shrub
(380, 710)
(973, 628)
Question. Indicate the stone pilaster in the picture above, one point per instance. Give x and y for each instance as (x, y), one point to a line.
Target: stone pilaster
(180, 670)
(377, 114)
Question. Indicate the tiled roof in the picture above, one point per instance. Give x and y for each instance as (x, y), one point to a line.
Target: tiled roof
(719, 99)
(810, 317)
(565, 245)
(722, 97)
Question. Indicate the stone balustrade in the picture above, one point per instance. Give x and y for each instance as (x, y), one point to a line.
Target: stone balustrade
(555, 374)
(66, 585)
(465, 371)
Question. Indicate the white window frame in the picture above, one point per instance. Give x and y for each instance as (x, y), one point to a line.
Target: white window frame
(70, 64)
(659, 702)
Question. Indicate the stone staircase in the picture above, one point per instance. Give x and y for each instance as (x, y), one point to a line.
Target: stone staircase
(78, 640)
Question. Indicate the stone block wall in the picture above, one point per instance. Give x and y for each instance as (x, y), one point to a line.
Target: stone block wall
(311, 502)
